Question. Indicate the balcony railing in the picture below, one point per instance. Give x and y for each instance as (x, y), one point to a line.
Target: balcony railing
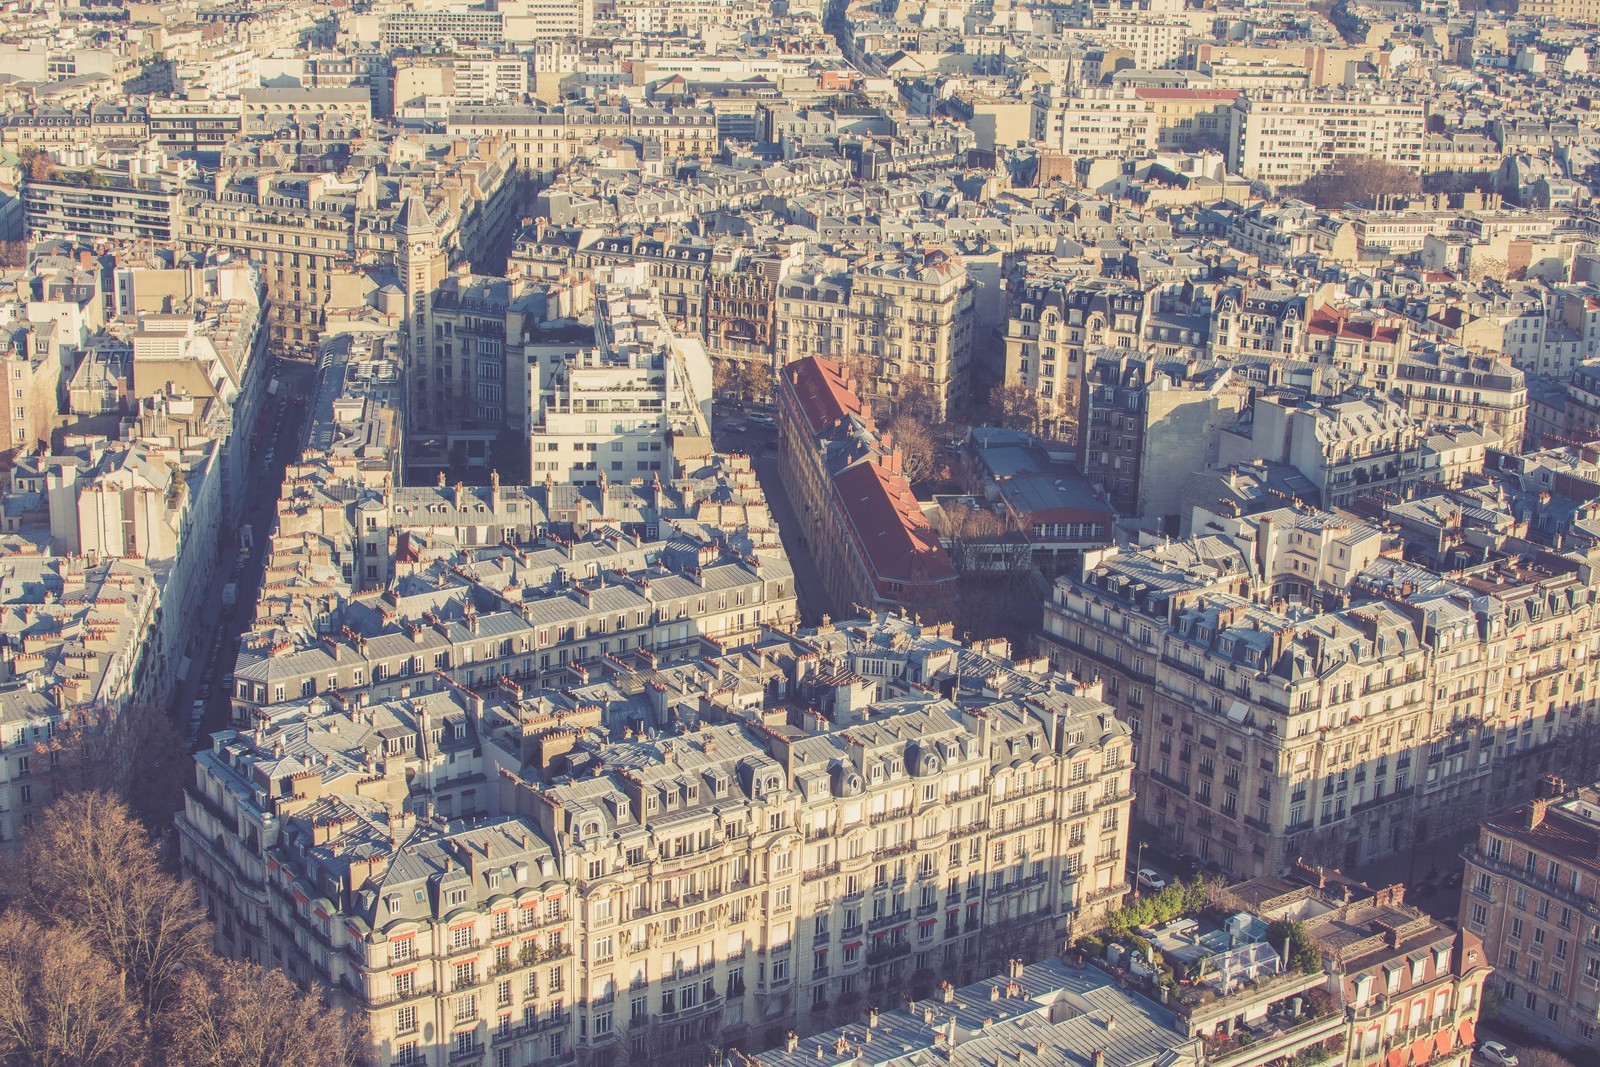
(885, 953)
(824, 871)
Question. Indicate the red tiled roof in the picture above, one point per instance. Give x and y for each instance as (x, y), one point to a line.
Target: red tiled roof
(1558, 834)
(819, 386)
(890, 527)
(1186, 94)
(1339, 324)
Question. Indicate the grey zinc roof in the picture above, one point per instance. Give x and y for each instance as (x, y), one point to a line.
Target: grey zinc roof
(1050, 1013)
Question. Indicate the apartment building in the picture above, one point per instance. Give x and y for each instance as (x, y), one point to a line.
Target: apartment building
(1282, 138)
(1269, 728)
(741, 306)
(913, 329)
(1528, 889)
(1055, 1012)
(1147, 424)
(872, 542)
(1189, 119)
(813, 317)
(44, 331)
(1259, 320)
(356, 422)
(427, 27)
(305, 230)
(1052, 323)
(612, 410)
(568, 608)
(1346, 448)
(1411, 980)
(1111, 123)
(1461, 152)
(300, 237)
(1450, 385)
(1368, 344)
(44, 126)
(467, 372)
(679, 271)
(672, 866)
(546, 141)
(102, 203)
(485, 78)
(1581, 12)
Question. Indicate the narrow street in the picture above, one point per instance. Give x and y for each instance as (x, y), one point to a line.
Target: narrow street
(734, 432)
(212, 646)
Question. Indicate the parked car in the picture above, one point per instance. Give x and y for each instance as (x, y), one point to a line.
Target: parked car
(764, 420)
(1498, 1054)
(1150, 880)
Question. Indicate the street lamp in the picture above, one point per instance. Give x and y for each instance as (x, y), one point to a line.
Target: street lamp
(1138, 865)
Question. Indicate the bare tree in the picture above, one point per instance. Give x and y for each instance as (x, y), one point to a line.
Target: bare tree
(1058, 416)
(61, 1005)
(1483, 268)
(918, 398)
(135, 754)
(233, 1014)
(90, 865)
(995, 562)
(1358, 179)
(919, 452)
(1014, 406)
(1534, 1056)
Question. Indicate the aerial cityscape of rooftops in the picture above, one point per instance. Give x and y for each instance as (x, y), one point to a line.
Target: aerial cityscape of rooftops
(606, 533)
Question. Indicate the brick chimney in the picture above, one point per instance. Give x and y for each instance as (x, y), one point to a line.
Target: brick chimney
(1536, 812)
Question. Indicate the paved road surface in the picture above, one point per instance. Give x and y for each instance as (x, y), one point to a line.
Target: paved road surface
(755, 440)
(212, 651)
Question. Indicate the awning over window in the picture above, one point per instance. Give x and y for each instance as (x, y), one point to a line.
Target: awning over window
(1445, 1041)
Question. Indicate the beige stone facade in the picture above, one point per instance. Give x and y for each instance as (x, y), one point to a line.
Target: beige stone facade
(735, 847)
